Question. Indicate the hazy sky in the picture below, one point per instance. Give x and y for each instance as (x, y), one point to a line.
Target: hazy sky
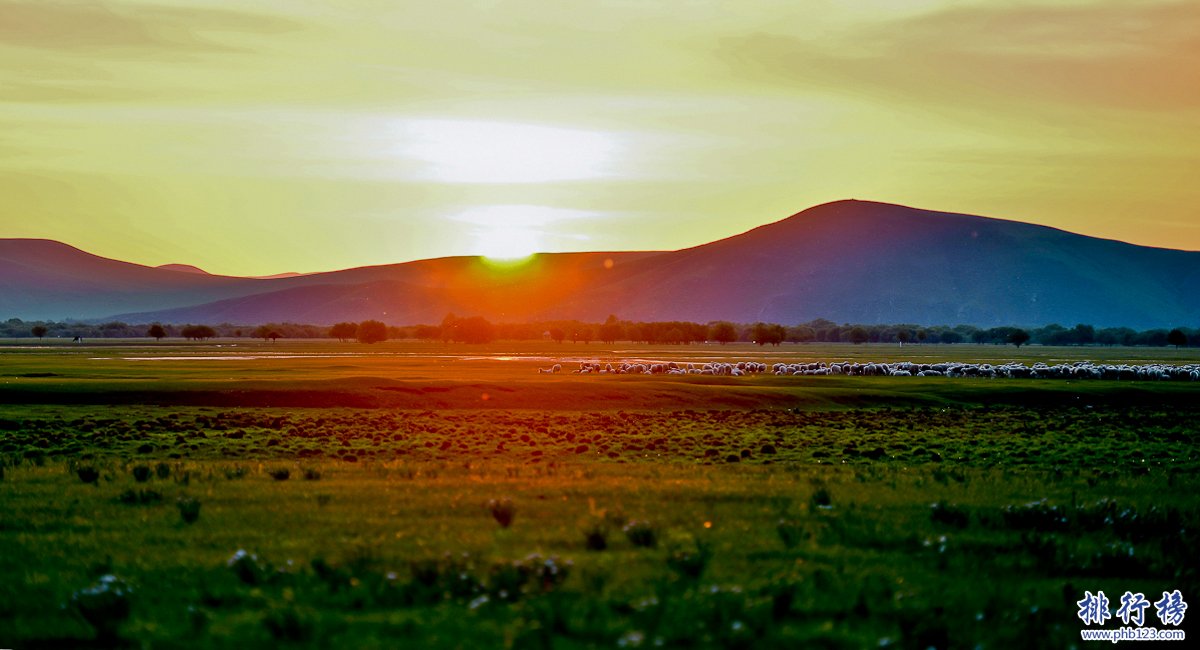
(282, 135)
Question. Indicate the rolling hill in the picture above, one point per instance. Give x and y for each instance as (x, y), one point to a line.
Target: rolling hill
(848, 261)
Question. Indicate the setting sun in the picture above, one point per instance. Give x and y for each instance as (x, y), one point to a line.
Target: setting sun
(504, 243)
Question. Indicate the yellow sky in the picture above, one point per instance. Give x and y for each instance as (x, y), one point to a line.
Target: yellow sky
(280, 135)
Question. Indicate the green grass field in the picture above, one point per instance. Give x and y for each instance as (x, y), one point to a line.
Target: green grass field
(369, 488)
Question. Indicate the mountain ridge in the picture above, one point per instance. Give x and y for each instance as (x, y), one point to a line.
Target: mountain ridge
(849, 261)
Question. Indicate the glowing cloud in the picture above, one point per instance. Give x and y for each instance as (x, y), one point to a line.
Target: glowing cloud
(466, 151)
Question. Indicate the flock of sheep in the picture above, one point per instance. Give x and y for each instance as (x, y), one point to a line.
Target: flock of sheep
(1077, 370)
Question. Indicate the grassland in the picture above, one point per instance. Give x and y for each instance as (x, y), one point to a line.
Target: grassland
(369, 488)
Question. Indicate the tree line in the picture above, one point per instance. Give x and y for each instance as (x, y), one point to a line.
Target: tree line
(475, 329)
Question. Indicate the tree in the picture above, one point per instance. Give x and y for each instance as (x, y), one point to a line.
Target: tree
(267, 333)
(1177, 338)
(951, 336)
(475, 329)
(722, 332)
(904, 336)
(38, 331)
(765, 333)
(1018, 337)
(449, 325)
(1084, 334)
(611, 330)
(424, 332)
(859, 335)
(801, 334)
(197, 332)
(557, 334)
(343, 331)
(372, 331)
(156, 332)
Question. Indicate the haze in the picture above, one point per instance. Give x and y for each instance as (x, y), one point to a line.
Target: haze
(283, 136)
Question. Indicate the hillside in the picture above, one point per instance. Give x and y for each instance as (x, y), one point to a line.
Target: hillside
(849, 261)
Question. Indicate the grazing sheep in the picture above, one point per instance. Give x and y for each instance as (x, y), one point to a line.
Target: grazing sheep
(1079, 370)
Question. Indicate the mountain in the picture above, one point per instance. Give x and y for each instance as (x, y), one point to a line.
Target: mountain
(848, 261)
(183, 268)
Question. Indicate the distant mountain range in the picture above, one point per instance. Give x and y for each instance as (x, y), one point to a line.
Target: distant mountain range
(848, 261)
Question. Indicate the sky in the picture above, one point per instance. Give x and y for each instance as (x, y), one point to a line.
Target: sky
(252, 138)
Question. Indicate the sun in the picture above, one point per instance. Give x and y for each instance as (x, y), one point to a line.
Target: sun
(515, 232)
(506, 243)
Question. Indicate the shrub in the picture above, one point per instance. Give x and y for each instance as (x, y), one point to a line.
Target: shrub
(162, 470)
(687, 556)
(641, 533)
(104, 605)
(821, 498)
(246, 567)
(132, 497)
(312, 474)
(88, 474)
(281, 474)
(595, 535)
(944, 513)
(141, 473)
(189, 509)
(791, 533)
(290, 623)
(503, 511)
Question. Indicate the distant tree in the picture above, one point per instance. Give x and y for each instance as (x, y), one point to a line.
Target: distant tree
(1018, 337)
(38, 331)
(801, 334)
(197, 332)
(904, 336)
(372, 331)
(1177, 338)
(557, 335)
(343, 331)
(951, 336)
(426, 332)
(1155, 338)
(922, 335)
(611, 331)
(859, 335)
(156, 332)
(449, 326)
(765, 333)
(1084, 334)
(722, 332)
(237, 333)
(475, 329)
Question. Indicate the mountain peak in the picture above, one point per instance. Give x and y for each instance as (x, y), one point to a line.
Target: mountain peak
(183, 268)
